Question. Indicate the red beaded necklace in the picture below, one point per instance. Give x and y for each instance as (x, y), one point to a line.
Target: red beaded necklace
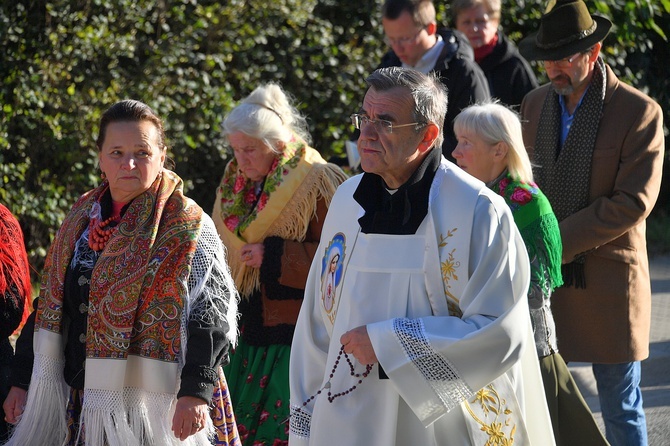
(98, 236)
(332, 396)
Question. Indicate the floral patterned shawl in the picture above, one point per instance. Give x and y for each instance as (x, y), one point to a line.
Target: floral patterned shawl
(145, 262)
(298, 178)
(136, 320)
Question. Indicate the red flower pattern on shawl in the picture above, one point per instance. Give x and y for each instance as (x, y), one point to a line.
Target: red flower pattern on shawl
(521, 196)
(503, 185)
(237, 202)
(250, 196)
(239, 184)
(232, 222)
(262, 201)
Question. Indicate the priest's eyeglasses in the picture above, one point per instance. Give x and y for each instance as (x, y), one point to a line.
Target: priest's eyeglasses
(381, 125)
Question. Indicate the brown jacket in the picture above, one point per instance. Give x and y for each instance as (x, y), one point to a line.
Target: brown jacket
(609, 320)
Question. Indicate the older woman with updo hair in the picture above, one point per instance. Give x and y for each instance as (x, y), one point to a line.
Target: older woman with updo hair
(136, 310)
(269, 211)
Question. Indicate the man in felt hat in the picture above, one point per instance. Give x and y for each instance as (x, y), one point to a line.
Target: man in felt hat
(598, 148)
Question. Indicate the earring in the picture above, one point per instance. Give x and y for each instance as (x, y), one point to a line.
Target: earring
(103, 176)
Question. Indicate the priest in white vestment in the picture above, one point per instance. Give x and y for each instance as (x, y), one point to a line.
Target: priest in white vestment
(424, 337)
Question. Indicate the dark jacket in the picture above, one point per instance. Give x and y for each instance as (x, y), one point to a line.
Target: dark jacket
(509, 75)
(459, 72)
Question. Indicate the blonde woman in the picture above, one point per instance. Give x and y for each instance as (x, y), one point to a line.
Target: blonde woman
(490, 148)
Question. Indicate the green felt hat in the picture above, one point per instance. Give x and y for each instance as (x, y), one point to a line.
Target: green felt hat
(566, 28)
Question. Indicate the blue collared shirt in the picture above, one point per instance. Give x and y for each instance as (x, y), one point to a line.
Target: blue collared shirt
(566, 117)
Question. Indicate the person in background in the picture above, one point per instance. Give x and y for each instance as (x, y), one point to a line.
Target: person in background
(424, 339)
(508, 74)
(598, 145)
(136, 311)
(16, 292)
(415, 41)
(269, 210)
(490, 148)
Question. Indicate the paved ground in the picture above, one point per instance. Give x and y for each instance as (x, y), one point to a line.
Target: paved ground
(655, 369)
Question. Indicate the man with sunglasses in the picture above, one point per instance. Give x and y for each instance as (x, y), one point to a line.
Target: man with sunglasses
(426, 339)
(416, 42)
(598, 145)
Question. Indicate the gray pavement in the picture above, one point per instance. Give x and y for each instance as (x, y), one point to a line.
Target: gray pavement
(655, 369)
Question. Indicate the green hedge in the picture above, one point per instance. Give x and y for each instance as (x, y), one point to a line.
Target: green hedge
(65, 62)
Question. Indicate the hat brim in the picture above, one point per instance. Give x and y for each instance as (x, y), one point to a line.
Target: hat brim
(530, 51)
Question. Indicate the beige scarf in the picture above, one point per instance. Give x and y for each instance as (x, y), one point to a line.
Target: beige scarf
(285, 208)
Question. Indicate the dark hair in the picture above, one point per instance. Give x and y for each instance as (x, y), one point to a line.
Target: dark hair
(422, 11)
(130, 110)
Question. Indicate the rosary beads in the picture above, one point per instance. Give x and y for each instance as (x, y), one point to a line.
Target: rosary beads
(332, 396)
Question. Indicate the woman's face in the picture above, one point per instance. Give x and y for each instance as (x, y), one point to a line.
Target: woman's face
(477, 25)
(130, 158)
(476, 157)
(333, 263)
(254, 158)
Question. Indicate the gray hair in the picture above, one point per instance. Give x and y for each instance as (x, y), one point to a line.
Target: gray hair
(494, 123)
(429, 94)
(268, 114)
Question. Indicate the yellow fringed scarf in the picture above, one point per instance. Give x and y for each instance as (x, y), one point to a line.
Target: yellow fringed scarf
(286, 205)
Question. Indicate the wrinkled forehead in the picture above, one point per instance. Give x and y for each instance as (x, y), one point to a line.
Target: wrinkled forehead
(142, 132)
(396, 103)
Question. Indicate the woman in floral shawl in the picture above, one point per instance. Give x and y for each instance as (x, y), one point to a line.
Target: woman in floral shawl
(135, 314)
(269, 210)
(490, 148)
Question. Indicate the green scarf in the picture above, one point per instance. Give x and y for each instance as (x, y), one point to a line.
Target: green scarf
(538, 227)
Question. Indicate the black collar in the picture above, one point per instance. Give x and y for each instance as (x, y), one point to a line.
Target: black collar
(403, 211)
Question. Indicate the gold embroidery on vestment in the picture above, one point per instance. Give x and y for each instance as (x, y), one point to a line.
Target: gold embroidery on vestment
(448, 268)
(487, 402)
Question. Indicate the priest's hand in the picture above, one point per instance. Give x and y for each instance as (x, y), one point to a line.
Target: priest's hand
(357, 342)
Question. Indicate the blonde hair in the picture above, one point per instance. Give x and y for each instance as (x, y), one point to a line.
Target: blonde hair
(494, 123)
(492, 7)
(268, 114)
